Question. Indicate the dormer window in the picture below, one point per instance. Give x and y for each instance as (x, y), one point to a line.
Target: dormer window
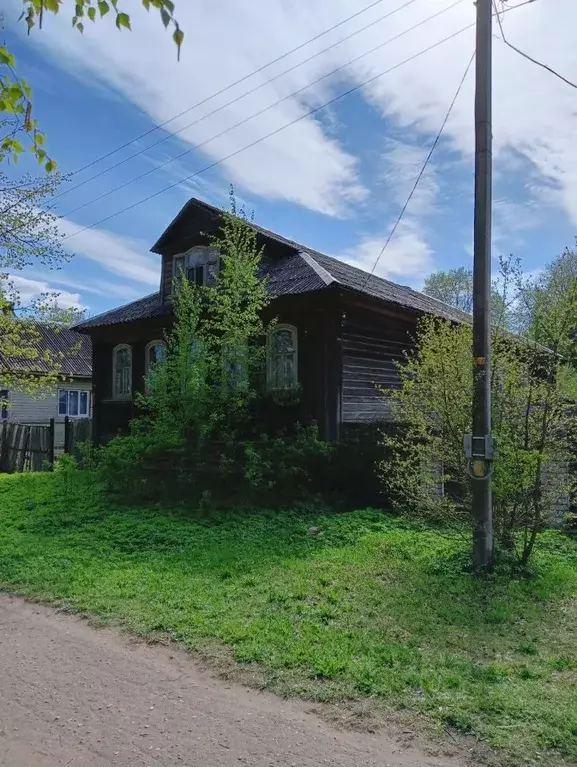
(199, 265)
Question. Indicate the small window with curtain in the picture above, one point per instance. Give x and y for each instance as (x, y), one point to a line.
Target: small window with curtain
(73, 403)
(282, 358)
(4, 394)
(122, 372)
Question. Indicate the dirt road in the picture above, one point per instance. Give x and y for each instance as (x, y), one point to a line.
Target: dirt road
(74, 695)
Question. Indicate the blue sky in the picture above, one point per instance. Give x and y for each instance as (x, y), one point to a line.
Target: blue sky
(335, 180)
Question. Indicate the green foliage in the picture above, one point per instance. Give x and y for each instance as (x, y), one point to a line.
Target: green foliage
(196, 431)
(15, 93)
(455, 287)
(29, 237)
(287, 469)
(533, 423)
(372, 609)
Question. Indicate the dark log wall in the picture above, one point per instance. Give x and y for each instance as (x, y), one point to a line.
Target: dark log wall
(372, 343)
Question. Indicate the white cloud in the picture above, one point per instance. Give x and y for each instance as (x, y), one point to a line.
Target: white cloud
(126, 256)
(403, 163)
(534, 113)
(28, 290)
(408, 257)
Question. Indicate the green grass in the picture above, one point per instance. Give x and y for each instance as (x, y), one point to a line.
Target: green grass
(373, 608)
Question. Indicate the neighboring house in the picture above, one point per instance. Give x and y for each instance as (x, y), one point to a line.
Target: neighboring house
(71, 395)
(338, 335)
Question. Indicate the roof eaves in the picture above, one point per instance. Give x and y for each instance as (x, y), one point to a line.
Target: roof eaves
(81, 326)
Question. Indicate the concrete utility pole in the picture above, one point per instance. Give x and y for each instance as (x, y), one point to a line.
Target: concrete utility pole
(479, 445)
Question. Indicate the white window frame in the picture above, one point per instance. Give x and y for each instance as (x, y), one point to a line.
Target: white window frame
(80, 392)
(271, 355)
(199, 255)
(115, 394)
(148, 347)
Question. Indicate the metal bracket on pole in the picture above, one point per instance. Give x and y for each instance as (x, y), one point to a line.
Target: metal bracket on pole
(480, 453)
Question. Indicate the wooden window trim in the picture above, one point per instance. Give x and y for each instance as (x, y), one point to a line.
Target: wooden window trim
(271, 355)
(207, 252)
(115, 394)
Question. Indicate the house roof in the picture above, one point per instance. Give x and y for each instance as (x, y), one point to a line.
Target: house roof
(56, 348)
(299, 270)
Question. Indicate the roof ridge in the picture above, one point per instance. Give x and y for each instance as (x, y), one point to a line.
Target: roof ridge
(323, 273)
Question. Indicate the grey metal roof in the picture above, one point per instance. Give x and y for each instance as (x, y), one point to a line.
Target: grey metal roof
(56, 348)
(299, 270)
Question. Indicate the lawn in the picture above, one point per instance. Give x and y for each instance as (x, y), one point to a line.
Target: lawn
(371, 609)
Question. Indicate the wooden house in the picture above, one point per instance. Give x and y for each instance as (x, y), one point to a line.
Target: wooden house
(338, 335)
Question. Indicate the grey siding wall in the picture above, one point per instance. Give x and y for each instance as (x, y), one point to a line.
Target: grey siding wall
(25, 408)
(372, 345)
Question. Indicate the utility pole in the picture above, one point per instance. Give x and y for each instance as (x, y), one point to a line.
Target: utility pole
(479, 445)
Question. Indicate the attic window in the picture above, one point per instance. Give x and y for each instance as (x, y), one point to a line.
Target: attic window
(199, 265)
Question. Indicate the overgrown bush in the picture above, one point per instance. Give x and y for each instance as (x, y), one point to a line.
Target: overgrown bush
(284, 468)
(533, 390)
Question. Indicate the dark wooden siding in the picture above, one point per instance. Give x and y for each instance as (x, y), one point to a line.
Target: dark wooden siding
(372, 345)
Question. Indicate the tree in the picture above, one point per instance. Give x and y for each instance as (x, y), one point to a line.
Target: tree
(455, 287)
(28, 236)
(200, 395)
(16, 94)
(533, 423)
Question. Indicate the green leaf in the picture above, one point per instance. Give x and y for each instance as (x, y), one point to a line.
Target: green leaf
(80, 9)
(146, 4)
(39, 139)
(123, 20)
(170, 5)
(80, 27)
(50, 166)
(6, 57)
(178, 37)
(92, 14)
(103, 7)
(165, 16)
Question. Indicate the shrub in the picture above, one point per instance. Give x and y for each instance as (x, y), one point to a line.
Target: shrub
(533, 424)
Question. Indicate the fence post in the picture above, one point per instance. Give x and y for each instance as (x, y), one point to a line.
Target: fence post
(51, 438)
(3, 445)
(67, 426)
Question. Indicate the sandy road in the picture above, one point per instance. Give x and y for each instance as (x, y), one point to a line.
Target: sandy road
(75, 695)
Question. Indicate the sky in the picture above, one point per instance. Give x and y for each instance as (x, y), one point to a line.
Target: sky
(329, 170)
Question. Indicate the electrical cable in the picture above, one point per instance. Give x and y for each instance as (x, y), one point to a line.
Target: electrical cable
(422, 171)
(526, 55)
(260, 111)
(272, 133)
(233, 101)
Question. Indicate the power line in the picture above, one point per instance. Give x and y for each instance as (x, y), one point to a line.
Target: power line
(272, 133)
(423, 169)
(203, 101)
(526, 55)
(263, 110)
(229, 86)
(235, 100)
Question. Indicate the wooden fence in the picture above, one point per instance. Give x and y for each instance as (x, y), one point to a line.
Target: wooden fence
(33, 447)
